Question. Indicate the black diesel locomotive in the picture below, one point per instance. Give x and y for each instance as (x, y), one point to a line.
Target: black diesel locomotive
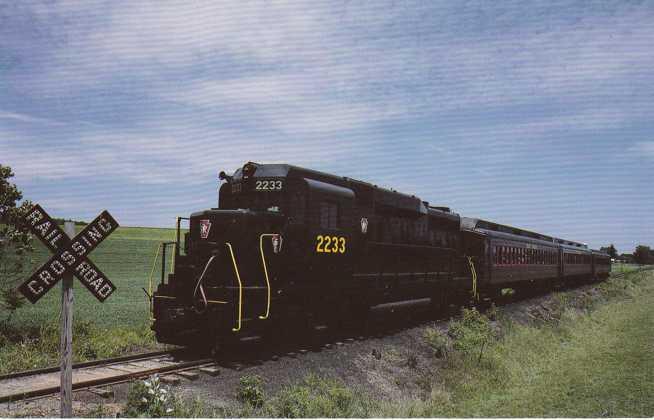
(292, 249)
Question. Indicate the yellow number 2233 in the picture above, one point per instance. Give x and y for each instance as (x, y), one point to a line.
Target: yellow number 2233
(330, 244)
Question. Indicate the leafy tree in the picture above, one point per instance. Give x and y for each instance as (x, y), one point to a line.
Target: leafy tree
(613, 253)
(15, 242)
(627, 258)
(642, 255)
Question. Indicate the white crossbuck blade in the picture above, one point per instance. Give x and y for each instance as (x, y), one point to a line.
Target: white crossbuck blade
(70, 255)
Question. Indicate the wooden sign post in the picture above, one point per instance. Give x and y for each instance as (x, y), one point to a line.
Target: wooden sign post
(70, 258)
(66, 387)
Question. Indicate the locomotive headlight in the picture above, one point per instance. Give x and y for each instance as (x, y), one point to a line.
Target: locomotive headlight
(249, 170)
(277, 243)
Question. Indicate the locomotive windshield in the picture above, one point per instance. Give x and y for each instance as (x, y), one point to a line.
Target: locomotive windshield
(239, 198)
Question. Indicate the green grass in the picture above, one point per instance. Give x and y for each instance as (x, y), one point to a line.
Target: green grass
(592, 364)
(119, 325)
(317, 397)
(32, 348)
(620, 268)
(126, 259)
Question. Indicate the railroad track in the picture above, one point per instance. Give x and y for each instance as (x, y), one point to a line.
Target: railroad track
(42, 382)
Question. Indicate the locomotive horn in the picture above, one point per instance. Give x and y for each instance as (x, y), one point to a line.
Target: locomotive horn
(222, 175)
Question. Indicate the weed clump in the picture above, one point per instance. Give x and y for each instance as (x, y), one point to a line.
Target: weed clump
(412, 361)
(550, 313)
(38, 346)
(99, 411)
(316, 397)
(471, 333)
(250, 391)
(149, 398)
(493, 312)
(438, 342)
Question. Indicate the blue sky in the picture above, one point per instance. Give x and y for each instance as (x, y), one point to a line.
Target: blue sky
(535, 114)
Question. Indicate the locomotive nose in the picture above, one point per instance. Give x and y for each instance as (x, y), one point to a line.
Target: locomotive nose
(212, 227)
(215, 227)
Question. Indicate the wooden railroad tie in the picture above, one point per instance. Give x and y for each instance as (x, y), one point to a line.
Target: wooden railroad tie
(188, 374)
(102, 392)
(170, 380)
(210, 370)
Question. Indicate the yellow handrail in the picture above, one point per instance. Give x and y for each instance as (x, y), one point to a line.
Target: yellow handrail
(265, 272)
(176, 248)
(154, 265)
(240, 289)
(172, 263)
(475, 294)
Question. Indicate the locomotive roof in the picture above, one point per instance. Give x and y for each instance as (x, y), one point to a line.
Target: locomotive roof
(381, 196)
(391, 198)
(285, 170)
(486, 226)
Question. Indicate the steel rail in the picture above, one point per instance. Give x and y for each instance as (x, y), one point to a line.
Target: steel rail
(91, 363)
(119, 377)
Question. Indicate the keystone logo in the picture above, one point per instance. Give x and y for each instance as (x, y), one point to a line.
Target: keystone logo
(205, 227)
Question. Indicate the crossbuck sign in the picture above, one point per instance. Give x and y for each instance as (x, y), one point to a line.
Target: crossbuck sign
(70, 255)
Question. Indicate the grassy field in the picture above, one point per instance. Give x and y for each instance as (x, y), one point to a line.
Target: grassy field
(119, 325)
(593, 363)
(126, 258)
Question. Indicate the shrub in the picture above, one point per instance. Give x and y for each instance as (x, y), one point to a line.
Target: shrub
(250, 391)
(149, 399)
(437, 341)
(315, 397)
(471, 333)
(15, 244)
(493, 312)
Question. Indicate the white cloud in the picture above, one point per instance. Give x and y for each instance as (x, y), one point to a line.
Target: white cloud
(25, 118)
(353, 49)
(644, 149)
(159, 155)
(295, 81)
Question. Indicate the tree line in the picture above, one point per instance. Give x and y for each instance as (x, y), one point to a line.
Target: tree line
(643, 254)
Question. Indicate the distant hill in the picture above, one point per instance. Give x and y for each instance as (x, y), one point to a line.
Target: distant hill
(61, 221)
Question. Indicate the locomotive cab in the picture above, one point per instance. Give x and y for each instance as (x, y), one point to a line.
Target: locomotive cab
(278, 234)
(230, 263)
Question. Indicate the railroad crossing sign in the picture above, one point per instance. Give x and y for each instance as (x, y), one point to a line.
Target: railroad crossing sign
(70, 255)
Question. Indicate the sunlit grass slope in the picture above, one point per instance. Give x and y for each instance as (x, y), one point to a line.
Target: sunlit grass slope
(126, 258)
